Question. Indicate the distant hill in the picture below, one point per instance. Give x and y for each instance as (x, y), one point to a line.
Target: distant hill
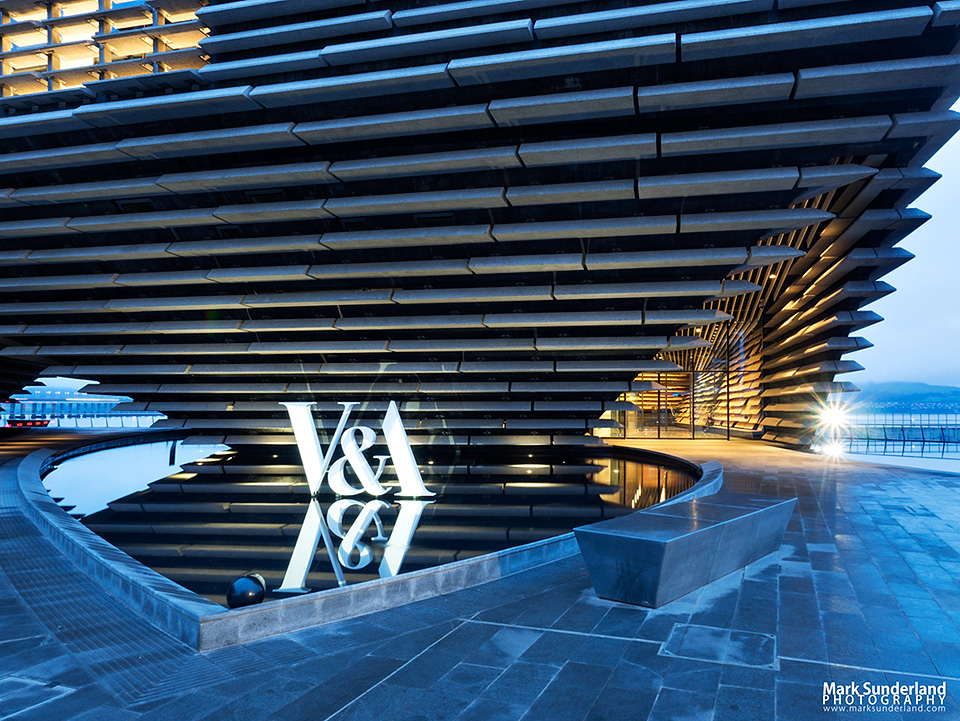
(907, 397)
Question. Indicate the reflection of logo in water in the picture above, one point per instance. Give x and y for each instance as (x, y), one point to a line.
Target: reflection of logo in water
(317, 465)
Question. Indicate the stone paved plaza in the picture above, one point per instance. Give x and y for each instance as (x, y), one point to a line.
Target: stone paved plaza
(864, 589)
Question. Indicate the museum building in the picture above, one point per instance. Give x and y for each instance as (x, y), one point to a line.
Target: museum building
(527, 222)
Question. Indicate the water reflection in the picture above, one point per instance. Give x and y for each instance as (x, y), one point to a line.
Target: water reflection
(390, 548)
(86, 484)
(641, 485)
(248, 511)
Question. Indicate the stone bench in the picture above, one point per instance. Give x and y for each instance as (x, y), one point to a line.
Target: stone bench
(658, 554)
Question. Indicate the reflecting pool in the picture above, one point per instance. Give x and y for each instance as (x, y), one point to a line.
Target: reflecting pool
(244, 510)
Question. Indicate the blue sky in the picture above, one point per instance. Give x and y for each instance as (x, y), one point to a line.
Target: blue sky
(919, 338)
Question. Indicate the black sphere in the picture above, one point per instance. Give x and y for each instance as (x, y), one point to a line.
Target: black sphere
(246, 591)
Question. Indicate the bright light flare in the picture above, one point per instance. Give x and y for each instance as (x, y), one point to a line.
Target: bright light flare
(832, 416)
(834, 450)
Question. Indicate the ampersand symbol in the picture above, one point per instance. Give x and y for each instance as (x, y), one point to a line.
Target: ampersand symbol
(353, 454)
(352, 537)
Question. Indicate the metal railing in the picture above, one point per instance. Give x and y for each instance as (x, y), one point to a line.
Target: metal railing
(904, 440)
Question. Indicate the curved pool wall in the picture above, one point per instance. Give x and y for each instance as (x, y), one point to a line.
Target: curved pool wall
(206, 626)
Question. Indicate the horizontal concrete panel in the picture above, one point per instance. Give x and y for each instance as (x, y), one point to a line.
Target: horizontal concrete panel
(763, 255)
(298, 32)
(727, 182)
(467, 9)
(785, 4)
(57, 282)
(669, 289)
(578, 387)
(752, 220)
(883, 76)
(458, 345)
(600, 228)
(75, 350)
(163, 278)
(457, 161)
(833, 176)
(273, 274)
(817, 32)
(248, 10)
(435, 41)
(645, 16)
(240, 246)
(388, 367)
(230, 140)
(565, 60)
(33, 227)
(164, 107)
(168, 304)
(256, 66)
(145, 221)
(414, 122)
(131, 369)
(473, 295)
(563, 107)
(79, 192)
(589, 150)
(283, 325)
(63, 157)
(406, 237)
(631, 366)
(688, 317)
(571, 193)
(334, 346)
(321, 297)
(99, 253)
(410, 322)
(784, 135)
(271, 176)
(272, 212)
(715, 93)
(14, 257)
(453, 266)
(45, 308)
(602, 343)
(58, 121)
(194, 327)
(416, 202)
(516, 366)
(527, 263)
(186, 349)
(226, 369)
(914, 125)
(336, 88)
(587, 318)
(6, 201)
(946, 13)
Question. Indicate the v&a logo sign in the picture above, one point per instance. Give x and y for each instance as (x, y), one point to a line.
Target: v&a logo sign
(319, 464)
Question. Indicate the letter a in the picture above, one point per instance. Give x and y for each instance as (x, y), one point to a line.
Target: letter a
(411, 482)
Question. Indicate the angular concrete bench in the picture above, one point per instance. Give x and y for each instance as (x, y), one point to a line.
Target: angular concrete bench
(658, 554)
